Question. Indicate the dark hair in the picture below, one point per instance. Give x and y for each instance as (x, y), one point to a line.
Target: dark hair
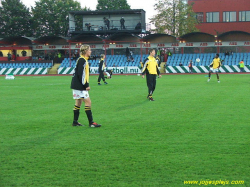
(217, 55)
(150, 50)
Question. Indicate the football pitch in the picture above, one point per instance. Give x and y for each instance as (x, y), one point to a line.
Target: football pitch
(193, 134)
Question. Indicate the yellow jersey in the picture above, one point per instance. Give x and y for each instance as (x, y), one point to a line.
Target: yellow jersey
(216, 63)
(150, 66)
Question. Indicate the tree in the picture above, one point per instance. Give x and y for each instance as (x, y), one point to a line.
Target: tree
(112, 5)
(15, 19)
(51, 17)
(174, 17)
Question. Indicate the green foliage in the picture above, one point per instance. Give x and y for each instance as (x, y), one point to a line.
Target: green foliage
(174, 17)
(112, 5)
(51, 16)
(194, 130)
(15, 19)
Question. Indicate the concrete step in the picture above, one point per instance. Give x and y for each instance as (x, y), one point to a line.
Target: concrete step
(54, 69)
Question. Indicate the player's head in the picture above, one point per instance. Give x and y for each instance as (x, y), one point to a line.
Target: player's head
(102, 56)
(85, 50)
(217, 55)
(152, 52)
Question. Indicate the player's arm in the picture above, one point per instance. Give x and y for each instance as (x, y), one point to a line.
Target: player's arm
(157, 70)
(143, 71)
(141, 65)
(100, 65)
(103, 65)
(158, 61)
(82, 72)
(220, 63)
(211, 64)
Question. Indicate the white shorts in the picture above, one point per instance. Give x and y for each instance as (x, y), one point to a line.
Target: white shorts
(108, 75)
(78, 94)
(214, 70)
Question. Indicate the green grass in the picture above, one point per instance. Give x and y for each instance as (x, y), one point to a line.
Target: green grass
(193, 131)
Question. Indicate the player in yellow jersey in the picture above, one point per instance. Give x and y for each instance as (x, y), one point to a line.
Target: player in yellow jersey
(151, 70)
(214, 67)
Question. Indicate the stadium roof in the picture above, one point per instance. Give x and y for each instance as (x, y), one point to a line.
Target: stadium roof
(160, 38)
(86, 38)
(234, 32)
(198, 37)
(101, 12)
(124, 36)
(52, 40)
(16, 40)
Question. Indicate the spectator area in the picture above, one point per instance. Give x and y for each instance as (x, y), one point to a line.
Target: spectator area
(207, 58)
(174, 60)
(121, 61)
(25, 65)
(111, 60)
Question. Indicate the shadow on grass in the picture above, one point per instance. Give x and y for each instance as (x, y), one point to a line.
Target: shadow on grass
(133, 104)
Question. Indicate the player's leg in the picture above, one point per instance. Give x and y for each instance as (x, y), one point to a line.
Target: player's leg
(88, 112)
(150, 87)
(218, 78)
(209, 75)
(99, 78)
(103, 78)
(76, 110)
(154, 83)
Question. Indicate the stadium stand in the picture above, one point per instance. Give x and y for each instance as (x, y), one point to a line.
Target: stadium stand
(174, 60)
(207, 58)
(121, 61)
(111, 60)
(25, 65)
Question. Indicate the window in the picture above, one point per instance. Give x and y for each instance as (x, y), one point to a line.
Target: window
(229, 16)
(199, 17)
(212, 16)
(244, 16)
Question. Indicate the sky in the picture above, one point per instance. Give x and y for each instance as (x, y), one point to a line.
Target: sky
(147, 5)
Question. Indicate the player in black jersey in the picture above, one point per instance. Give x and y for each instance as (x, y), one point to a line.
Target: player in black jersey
(80, 86)
(101, 70)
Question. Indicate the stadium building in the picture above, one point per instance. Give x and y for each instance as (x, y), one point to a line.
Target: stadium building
(216, 17)
(57, 55)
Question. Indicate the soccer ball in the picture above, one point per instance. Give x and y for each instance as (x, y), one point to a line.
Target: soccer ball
(198, 60)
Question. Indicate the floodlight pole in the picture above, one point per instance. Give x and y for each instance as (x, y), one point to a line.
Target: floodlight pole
(105, 52)
(69, 53)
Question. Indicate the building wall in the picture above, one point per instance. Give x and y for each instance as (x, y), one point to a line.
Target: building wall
(221, 6)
